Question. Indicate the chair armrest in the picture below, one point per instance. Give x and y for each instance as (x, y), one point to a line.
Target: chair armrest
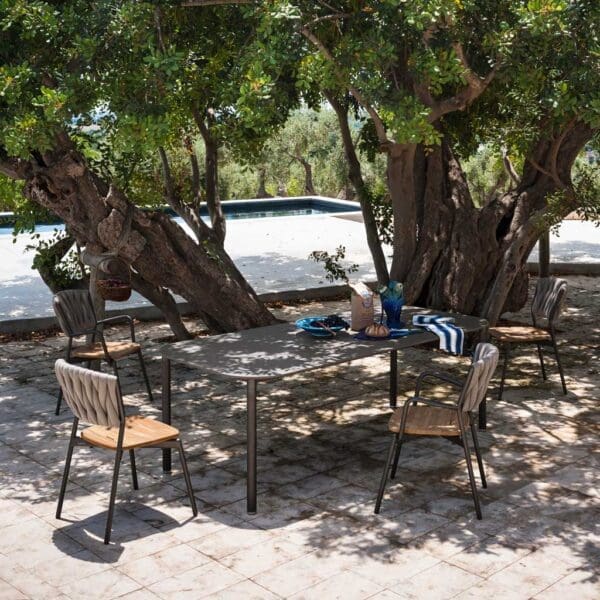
(435, 403)
(100, 334)
(116, 319)
(436, 375)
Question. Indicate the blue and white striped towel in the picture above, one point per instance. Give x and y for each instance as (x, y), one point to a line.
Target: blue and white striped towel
(451, 337)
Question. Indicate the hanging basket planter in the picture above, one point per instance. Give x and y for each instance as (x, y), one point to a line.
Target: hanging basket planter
(114, 279)
(114, 289)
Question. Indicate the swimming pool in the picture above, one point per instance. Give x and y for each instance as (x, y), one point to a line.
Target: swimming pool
(235, 209)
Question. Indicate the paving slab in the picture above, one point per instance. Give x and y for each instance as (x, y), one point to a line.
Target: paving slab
(322, 446)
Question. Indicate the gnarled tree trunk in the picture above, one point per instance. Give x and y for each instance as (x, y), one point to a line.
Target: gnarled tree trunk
(156, 247)
(471, 259)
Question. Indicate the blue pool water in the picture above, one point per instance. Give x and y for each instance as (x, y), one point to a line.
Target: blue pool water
(245, 209)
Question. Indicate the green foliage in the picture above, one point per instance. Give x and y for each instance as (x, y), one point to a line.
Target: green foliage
(122, 78)
(10, 194)
(383, 211)
(485, 173)
(585, 198)
(66, 272)
(332, 264)
(550, 54)
(294, 187)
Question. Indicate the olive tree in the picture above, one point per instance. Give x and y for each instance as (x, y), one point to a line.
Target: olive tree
(137, 75)
(436, 79)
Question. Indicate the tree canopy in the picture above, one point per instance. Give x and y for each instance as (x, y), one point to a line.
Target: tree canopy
(95, 94)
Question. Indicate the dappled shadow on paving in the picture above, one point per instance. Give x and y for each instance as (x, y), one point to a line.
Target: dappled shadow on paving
(322, 441)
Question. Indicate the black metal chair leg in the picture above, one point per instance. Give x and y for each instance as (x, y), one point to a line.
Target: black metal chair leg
(467, 450)
(396, 457)
(541, 355)
(559, 364)
(384, 477)
(478, 454)
(188, 480)
(503, 373)
(58, 402)
(133, 470)
(145, 374)
(113, 495)
(65, 478)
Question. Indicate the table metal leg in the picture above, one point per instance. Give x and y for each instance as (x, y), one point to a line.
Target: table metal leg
(166, 408)
(251, 448)
(393, 378)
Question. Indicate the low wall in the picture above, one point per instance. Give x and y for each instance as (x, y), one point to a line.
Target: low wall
(151, 313)
(590, 269)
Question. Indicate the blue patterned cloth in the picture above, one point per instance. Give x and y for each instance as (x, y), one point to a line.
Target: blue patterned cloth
(452, 338)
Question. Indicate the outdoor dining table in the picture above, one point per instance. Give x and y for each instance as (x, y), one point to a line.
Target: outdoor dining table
(276, 351)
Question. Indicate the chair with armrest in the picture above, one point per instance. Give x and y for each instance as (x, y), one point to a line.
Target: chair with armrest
(95, 398)
(545, 310)
(76, 316)
(425, 417)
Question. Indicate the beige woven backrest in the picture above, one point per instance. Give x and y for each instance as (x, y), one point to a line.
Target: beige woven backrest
(547, 299)
(74, 311)
(484, 364)
(93, 397)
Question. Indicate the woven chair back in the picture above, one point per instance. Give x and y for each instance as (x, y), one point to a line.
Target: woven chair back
(482, 369)
(93, 397)
(74, 311)
(547, 299)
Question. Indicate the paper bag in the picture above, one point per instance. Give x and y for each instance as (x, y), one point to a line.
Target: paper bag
(362, 308)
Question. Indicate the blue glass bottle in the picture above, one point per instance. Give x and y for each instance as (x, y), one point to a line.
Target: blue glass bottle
(392, 301)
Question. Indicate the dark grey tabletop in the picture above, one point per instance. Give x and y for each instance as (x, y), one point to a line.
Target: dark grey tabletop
(272, 352)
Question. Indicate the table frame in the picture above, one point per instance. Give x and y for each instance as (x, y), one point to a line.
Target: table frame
(251, 413)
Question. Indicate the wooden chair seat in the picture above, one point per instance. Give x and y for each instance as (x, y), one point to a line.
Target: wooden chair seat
(428, 420)
(139, 432)
(518, 333)
(116, 350)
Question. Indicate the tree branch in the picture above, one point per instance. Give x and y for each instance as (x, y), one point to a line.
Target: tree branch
(500, 181)
(196, 193)
(188, 214)
(159, 35)
(554, 150)
(213, 203)
(476, 85)
(509, 167)
(168, 179)
(215, 2)
(333, 17)
(542, 170)
(379, 126)
(13, 168)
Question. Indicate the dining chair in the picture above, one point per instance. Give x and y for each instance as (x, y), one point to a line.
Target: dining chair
(95, 398)
(545, 310)
(422, 416)
(76, 316)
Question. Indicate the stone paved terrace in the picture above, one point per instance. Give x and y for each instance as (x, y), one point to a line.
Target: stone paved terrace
(322, 443)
